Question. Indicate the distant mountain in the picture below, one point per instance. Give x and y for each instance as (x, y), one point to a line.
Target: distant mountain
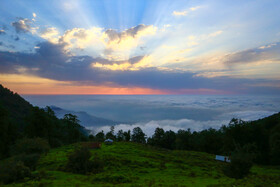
(86, 119)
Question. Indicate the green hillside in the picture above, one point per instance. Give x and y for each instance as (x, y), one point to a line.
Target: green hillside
(38, 149)
(131, 164)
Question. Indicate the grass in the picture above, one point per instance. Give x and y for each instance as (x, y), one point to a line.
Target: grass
(131, 164)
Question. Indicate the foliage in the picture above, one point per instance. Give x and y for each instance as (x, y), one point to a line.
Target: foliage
(240, 166)
(127, 136)
(260, 138)
(12, 171)
(110, 134)
(134, 164)
(100, 137)
(19, 119)
(79, 162)
(29, 160)
(8, 133)
(120, 136)
(275, 148)
(31, 146)
(138, 135)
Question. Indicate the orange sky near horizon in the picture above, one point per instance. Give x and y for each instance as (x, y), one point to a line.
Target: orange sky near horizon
(32, 85)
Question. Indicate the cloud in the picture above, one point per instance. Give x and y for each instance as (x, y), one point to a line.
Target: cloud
(109, 44)
(185, 12)
(119, 45)
(178, 13)
(8, 46)
(22, 25)
(82, 38)
(52, 61)
(2, 32)
(214, 34)
(195, 8)
(194, 125)
(174, 125)
(34, 15)
(16, 38)
(50, 34)
(144, 62)
(261, 54)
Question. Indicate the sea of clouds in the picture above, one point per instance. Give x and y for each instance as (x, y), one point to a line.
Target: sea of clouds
(168, 112)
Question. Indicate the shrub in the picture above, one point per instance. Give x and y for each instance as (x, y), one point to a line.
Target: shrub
(13, 171)
(162, 165)
(97, 164)
(55, 142)
(29, 160)
(79, 162)
(31, 146)
(116, 178)
(239, 167)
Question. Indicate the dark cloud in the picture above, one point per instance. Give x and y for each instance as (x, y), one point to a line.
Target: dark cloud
(52, 61)
(269, 52)
(8, 46)
(16, 38)
(115, 35)
(22, 25)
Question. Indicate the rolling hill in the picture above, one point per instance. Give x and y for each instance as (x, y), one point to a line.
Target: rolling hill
(132, 164)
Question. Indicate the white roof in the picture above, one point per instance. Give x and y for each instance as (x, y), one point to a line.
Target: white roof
(108, 140)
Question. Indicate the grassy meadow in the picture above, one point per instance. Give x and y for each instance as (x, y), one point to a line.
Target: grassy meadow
(132, 164)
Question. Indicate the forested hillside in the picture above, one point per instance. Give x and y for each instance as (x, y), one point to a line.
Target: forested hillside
(37, 148)
(19, 120)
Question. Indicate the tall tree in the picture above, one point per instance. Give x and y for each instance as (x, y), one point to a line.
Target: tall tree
(138, 135)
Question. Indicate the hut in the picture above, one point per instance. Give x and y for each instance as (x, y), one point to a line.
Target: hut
(223, 158)
(108, 141)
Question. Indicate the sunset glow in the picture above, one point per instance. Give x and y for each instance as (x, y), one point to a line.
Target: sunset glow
(140, 47)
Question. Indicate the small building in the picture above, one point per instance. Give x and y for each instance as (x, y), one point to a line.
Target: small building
(223, 158)
(108, 141)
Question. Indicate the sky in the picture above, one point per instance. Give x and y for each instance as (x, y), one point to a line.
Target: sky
(140, 46)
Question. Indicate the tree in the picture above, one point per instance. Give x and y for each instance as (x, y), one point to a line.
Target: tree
(73, 128)
(100, 137)
(182, 139)
(72, 119)
(38, 124)
(8, 133)
(120, 136)
(110, 134)
(169, 140)
(158, 136)
(127, 136)
(91, 137)
(79, 161)
(239, 166)
(138, 135)
(275, 148)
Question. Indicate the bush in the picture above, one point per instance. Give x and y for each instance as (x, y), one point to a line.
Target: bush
(97, 164)
(116, 178)
(239, 167)
(13, 171)
(79, 162)
(29, 160)
(31, 146)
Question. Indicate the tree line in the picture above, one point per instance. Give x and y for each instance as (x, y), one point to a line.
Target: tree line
(260, 139)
